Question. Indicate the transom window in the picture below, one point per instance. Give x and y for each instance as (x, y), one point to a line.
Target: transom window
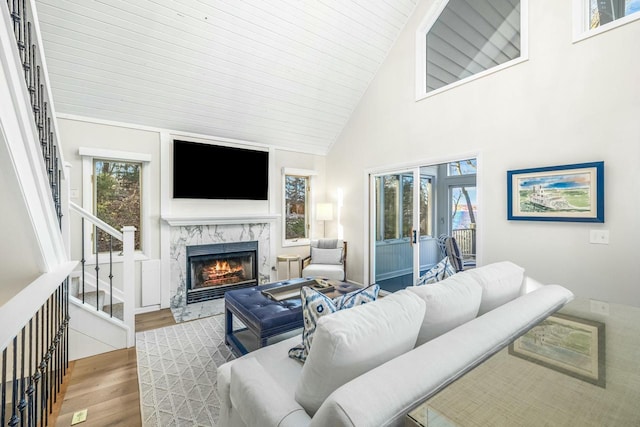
(466, 39)
(602, 12)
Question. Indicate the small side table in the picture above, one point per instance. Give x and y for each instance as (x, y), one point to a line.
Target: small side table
(289, 259)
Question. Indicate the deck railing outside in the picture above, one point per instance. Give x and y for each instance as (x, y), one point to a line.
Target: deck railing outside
(466, 239)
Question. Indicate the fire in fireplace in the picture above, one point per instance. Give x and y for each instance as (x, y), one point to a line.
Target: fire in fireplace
(216, 268)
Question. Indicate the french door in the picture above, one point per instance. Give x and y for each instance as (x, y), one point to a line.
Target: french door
(400, 215)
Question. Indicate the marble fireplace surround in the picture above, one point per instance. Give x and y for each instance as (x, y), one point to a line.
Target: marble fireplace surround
(201, 231)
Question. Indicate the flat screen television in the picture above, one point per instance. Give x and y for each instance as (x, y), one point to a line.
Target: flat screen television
(206, 171)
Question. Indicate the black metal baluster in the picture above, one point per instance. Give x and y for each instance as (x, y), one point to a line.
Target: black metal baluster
(14, 420)
(66, 328)
(22, 405)
(4, 388)
(60, 336)
(30, 388)
(50, 360)
(36, 373)
(26, 66)
(43, 364)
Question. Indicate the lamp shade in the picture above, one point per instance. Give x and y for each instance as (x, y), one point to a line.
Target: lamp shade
(324, 212)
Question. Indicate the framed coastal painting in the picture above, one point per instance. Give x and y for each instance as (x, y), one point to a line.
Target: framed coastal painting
(567, 344)
(557, 193)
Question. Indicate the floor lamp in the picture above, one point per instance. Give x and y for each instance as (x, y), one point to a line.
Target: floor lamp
(324, 213)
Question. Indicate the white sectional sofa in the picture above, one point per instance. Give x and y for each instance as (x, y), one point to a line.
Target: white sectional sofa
(370, 365)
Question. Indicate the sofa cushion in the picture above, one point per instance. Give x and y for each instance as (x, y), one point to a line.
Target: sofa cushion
(316, 304)
(326, 256)
(351, 342)
(440, 271)
(449, 304)
(258, 397)
(501, 282)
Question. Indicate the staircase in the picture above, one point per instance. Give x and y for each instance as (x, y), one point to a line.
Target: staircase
(101, 304)
(102, 300)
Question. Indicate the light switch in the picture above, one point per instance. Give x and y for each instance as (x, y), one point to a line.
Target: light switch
(600, 237)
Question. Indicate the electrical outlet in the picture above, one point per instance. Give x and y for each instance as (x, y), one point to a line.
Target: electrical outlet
(599, 307)
(79, 417)
(600, 237)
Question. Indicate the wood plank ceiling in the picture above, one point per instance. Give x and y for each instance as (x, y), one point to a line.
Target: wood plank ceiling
(286, 73)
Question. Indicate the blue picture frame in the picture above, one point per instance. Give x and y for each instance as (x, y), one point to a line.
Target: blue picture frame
(573, 193)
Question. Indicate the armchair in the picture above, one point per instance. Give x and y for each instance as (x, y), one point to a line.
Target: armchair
(327, 258)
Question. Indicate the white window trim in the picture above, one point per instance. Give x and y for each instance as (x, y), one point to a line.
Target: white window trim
(581, 29)
(421, 50)
(311, 174)
(88, 155)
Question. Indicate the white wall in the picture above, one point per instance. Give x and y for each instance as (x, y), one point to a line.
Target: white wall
(82, 132)
(569, 103)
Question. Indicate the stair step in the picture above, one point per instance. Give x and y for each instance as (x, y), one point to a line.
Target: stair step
(90, 298)
(118, 310)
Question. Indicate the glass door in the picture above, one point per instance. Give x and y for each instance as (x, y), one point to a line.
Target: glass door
(396, 208)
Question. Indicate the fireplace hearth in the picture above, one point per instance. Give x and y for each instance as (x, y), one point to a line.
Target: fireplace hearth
(216, 268)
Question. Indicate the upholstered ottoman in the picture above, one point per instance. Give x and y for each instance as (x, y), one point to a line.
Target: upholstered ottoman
(264, 318)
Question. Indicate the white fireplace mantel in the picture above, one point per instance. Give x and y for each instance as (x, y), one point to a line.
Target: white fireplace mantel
(175, 221)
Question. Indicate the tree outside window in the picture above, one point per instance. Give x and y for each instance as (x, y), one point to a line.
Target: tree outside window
(117, 199)
(296, 218)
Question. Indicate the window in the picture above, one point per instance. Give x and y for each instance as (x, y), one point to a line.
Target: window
(462, 167)
(114, 191)
(463, 39)
(593, 17)
(426, 225)
(117, 190)
(296, 206)
(395, 206)
(602, 12)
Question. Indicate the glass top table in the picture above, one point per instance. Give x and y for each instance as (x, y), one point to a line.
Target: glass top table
(579, 367)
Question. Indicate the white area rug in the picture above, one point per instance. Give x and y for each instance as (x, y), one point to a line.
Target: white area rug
(177, 373)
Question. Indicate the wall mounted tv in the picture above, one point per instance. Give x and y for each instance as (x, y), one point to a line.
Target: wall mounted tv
(206, 171)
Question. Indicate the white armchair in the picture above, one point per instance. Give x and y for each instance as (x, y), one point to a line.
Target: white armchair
(327, 259)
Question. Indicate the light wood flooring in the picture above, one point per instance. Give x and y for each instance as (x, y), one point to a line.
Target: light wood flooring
(107, 384)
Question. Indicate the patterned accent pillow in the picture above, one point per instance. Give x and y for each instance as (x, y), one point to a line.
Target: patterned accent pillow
(316, 304)
(438, 272)
(361, 296)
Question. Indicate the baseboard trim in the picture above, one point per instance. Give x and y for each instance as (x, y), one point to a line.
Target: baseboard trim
(148, 309)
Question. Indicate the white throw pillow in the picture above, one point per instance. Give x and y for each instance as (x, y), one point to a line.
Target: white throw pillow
(449, 303)
(316, 304)
(351, 342)
(501, 282)
(326, 256)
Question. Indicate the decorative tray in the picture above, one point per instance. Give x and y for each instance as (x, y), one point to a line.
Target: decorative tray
(280, 293)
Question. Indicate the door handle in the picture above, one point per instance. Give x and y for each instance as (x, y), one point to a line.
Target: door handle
(414, 240)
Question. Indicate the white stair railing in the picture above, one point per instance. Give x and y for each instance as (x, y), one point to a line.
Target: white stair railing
(126, 236)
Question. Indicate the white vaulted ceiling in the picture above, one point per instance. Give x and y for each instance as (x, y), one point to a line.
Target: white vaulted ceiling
(286, 73)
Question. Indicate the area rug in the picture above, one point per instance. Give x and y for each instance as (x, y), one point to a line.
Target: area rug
(177, 373)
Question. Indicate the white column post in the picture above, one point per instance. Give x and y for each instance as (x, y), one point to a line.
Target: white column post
(128, 282)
